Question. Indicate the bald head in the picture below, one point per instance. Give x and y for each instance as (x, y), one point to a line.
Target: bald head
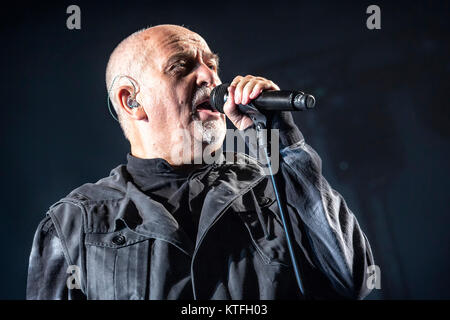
(136, 52)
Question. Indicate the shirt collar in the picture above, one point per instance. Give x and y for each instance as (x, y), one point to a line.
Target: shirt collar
(157, 172)
(147, 166)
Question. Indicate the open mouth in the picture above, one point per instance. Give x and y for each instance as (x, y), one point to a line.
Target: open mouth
(204, 106)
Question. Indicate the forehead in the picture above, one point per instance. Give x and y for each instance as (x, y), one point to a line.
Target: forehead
(169, 44)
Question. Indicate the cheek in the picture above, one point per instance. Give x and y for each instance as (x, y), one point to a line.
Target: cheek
(183, 107)
(183, 112)
(170, 107)
(163, 108)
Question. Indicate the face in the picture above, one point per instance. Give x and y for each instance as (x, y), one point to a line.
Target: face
(175, 90)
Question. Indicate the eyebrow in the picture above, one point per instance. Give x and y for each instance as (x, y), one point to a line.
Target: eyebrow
(210, 56)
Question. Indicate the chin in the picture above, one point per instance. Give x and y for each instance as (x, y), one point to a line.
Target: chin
(210, 132)
(212, 140)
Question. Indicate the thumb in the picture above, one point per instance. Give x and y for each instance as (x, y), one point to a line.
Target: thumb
(240, 120)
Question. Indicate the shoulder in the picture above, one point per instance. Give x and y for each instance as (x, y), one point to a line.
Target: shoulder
(111, 187)
(44, 236)
(84, 210)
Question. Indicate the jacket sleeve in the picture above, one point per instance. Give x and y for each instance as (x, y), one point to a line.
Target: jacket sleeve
(324, 227)
(49, 273)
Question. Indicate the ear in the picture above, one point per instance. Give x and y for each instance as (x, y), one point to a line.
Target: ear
(122, 96)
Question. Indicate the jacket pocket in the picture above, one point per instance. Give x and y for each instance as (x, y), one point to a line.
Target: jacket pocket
(117, 265)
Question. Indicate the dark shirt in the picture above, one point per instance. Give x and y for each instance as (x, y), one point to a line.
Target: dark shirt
(180, 191)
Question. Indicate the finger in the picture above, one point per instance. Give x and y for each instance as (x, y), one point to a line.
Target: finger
(230, 107)
(257, 89)
(239, 88)
(236, 81)
(273, 86)
(233, 86)
(239, 120)
(269, 85)
(262, 85)
(248, 89)
(231, 94)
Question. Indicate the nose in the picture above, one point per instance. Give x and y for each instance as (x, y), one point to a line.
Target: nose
(206, 76)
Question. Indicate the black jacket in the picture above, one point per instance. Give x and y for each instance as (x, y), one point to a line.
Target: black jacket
(124, 245)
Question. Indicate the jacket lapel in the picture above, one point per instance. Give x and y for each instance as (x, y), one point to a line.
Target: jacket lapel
(147, 217)
(234, 181)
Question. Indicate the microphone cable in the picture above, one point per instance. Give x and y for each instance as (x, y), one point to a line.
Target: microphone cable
(283, 218)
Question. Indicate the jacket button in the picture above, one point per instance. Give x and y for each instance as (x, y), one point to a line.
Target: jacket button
(265, 201)
(119, 240)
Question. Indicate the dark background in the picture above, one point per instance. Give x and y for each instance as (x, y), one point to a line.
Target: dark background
(381, 124)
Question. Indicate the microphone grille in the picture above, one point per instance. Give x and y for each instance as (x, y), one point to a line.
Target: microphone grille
(310, 101)
(219, 96)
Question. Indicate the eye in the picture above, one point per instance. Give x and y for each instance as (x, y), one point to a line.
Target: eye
(178, 65)
(212, 66)
(182, 67)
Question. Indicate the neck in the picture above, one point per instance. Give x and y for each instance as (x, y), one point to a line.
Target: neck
(178, 162)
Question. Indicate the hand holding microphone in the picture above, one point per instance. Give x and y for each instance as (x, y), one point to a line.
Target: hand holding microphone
(265, 95)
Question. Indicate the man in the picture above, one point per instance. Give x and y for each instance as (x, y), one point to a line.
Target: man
(170, 226)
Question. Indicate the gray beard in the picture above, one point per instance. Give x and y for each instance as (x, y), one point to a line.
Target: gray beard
(207, 130)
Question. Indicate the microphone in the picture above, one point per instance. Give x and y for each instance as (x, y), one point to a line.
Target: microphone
(274, 100)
